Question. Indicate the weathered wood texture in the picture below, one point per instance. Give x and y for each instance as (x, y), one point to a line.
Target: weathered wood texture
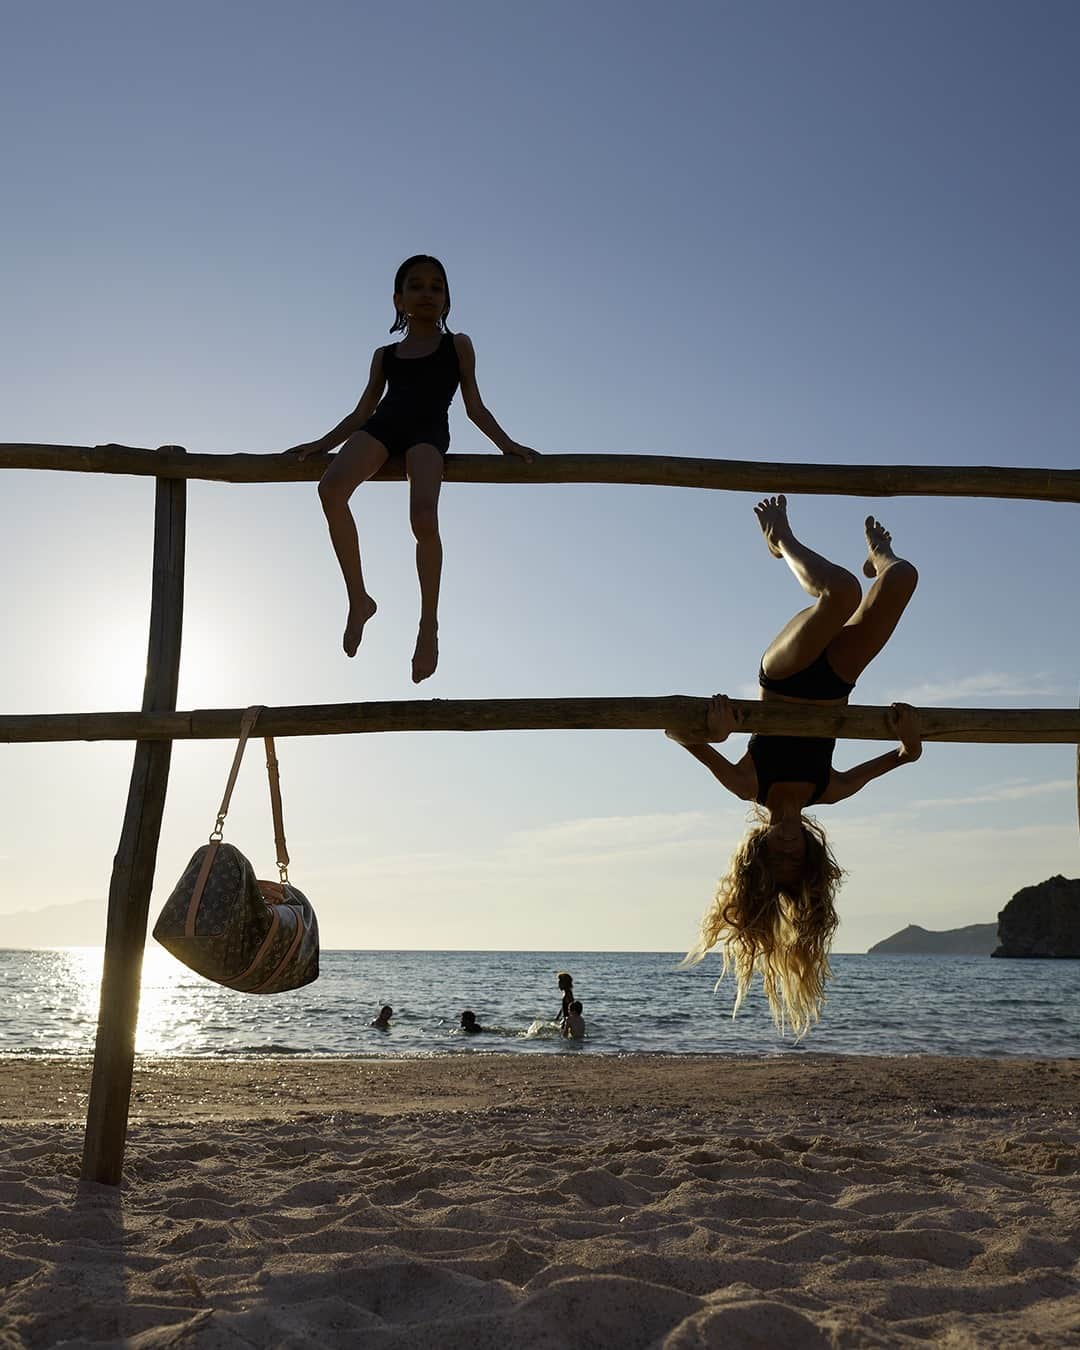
(854, 480)
(681, 712)
(136, 856)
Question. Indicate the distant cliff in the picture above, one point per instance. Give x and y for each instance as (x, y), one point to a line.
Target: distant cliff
(977, 939)
(81, 924)
(1042, 920)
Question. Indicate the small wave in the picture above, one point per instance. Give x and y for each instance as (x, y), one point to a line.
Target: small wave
(541, 1031)
(487, 1029)
(48, 1052)
(274, 1048)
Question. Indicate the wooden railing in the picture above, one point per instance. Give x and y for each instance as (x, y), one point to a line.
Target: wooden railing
(681, 713)
(158, 724)
(730, 475)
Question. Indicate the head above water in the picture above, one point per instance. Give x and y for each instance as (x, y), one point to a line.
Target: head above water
(566, 981)
(386, 1010)
(575, 1007)
(421, 289)
(775, 912)
(468, 1018)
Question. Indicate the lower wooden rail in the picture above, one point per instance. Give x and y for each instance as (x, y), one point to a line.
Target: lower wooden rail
(678, 711)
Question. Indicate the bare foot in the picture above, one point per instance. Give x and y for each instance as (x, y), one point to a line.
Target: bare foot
(878, 547)
(426, 654)
(354, 625)
(772, 517)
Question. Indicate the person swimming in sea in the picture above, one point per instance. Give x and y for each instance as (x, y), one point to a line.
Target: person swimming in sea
(566, 988)
(573, 1027)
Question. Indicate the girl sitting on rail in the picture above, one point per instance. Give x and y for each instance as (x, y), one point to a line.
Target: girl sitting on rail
(774, 909)
(423, 371)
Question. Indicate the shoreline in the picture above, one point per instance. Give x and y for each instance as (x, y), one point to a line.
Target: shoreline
(828, 1087)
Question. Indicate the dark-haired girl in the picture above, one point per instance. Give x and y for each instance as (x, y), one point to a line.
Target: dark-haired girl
(420, 374)
(566, 988)
(774, 910)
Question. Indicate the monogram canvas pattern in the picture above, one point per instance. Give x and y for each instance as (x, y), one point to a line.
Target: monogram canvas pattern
(260, 937)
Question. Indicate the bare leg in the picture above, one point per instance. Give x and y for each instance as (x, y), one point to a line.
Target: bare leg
(838, 593)
(874, 622)
(424, 466)
(360, 457)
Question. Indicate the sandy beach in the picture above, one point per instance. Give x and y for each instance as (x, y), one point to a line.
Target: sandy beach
(553, 1201)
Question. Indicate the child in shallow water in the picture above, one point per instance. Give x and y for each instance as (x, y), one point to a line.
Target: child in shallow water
(573, 1027)
(383, 1019)
(566, 988)
(409, 425)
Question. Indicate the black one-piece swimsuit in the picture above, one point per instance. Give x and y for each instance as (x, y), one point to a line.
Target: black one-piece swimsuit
(798, 759)
(414, 410)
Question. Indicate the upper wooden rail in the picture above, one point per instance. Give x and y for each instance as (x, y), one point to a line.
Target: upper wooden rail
(853, 480)
(680, 712)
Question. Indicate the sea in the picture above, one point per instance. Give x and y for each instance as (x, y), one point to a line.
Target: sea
(633, 1003)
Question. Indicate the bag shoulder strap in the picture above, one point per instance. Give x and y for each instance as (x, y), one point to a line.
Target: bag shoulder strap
(247, 725)
(275, 807)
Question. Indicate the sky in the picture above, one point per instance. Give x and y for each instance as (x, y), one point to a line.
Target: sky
(842, 233)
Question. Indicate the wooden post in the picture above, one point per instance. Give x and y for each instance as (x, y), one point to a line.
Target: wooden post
(136, 855)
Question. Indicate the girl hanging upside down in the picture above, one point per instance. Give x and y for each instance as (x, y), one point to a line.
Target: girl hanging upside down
(411, 423)
(774, 910)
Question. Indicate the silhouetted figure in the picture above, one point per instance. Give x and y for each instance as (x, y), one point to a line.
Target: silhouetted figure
(774, 910)
(566, 986)
(573, 1027)
(410, 425)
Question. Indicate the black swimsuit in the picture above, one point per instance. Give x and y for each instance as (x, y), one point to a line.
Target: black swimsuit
(415, 407)
(798, 759)
(816, 681)
(791, 759)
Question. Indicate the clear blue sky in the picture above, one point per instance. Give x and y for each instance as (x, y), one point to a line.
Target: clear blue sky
(840, 232)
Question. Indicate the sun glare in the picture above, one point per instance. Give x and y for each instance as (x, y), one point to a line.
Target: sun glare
(111, 674)
(111, 666)
(163, 1016)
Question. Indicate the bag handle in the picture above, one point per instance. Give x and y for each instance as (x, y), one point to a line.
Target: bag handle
(247, 725)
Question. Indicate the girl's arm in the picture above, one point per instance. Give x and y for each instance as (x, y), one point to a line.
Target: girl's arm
(905, 722)
(474, 404)
(354, 421)
(741, 778)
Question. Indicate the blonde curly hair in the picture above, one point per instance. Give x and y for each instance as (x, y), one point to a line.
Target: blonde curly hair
(783, 931)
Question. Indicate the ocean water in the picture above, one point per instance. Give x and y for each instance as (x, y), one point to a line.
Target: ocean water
(633, 1002)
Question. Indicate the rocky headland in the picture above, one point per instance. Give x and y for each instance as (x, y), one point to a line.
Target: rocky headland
(1042, 920)
(977, 939)
(1039, 921)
